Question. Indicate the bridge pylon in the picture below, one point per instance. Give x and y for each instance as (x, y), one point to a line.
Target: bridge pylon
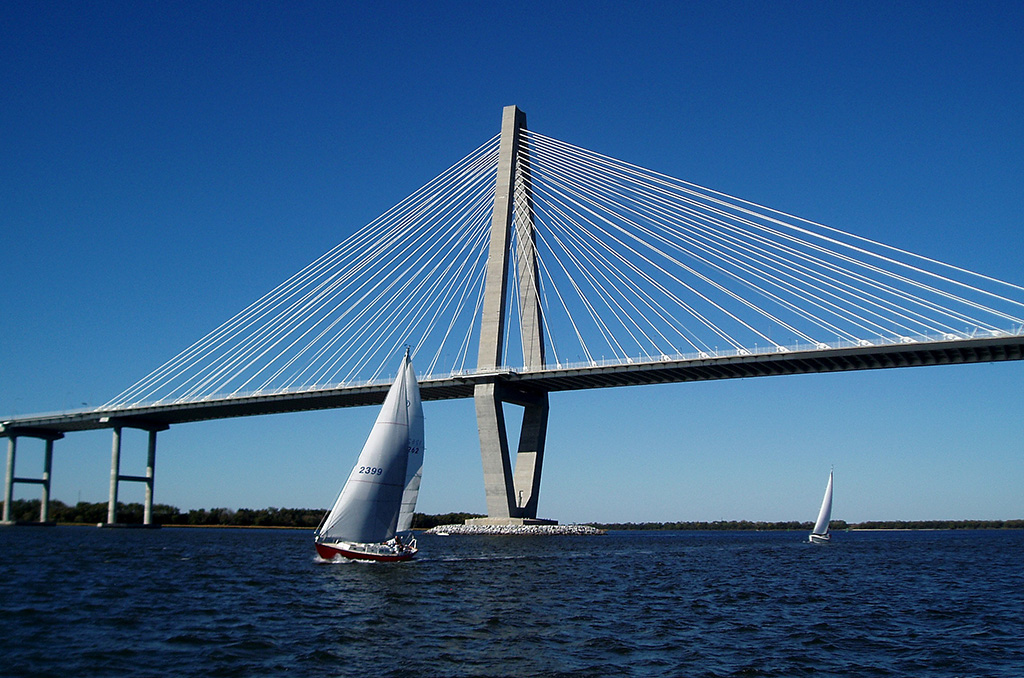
(512, 494)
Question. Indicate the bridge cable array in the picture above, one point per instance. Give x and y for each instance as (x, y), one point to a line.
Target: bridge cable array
(661, 266)
(632, 265)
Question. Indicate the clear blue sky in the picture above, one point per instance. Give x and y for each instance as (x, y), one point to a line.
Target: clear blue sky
(162, 165)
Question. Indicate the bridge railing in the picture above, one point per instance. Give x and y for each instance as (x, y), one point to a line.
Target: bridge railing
(716, 353)
(841, 344)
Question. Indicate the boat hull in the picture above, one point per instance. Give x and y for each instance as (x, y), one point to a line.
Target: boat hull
(820, 538)
(371, 552)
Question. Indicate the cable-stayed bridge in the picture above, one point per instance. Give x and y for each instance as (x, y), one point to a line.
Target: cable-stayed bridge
(532, 266)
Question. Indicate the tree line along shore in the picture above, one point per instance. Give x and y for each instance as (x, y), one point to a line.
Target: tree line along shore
(85, 513)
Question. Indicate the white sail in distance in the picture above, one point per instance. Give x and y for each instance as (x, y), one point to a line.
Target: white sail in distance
(825, 514)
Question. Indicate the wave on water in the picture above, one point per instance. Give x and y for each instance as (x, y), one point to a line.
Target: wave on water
(255, 603)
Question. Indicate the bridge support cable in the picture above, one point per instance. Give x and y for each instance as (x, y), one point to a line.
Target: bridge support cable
(574, 231)
(585, 209)
(11, 479)
(423, 267)
(811, 298)
(435, 300)
(880, 245)
(640, 302)
(415, 286)
(398, 255)
(608, 261)
(604, 262)
(705, 196)
(612, 242)
(464, 295)
(425, 288)
(832, 240)
(590, 271)
(335, 258)
(738, 261)
(566, 229)
(807, 287)
(641, 228)
(405, 266)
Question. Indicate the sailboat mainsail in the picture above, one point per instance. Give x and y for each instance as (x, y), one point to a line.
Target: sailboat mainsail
(378, 499)
(820, 531)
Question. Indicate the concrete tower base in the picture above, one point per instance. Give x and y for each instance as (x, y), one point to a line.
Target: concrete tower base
(510, 521)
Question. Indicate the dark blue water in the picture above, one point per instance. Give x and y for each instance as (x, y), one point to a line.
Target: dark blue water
(224, 602)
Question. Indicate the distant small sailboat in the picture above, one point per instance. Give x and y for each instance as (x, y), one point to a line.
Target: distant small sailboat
(820, 534)
(377, 501)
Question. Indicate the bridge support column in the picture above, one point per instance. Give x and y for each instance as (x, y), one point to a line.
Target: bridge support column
(12, 448)
(511, 495)
(44, 504)
(115, 471)
(147, 518)
(11, 478)
(116, 477)
(490, 419)
(530, 457)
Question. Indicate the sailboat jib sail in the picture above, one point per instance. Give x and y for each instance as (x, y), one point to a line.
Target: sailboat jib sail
(379, 496)
(820, 533)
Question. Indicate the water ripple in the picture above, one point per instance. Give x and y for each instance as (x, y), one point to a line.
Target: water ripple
(257, 603)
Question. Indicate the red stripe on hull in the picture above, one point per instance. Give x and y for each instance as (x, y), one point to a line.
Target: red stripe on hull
(329, 552)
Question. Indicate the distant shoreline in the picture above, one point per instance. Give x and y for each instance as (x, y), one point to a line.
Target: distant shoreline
(85, 513)
(646, 527)
(837, 525)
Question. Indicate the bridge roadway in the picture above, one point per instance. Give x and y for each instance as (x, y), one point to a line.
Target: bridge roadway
(1010, 347)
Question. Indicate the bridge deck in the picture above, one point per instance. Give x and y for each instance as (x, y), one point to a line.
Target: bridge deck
(547, 380)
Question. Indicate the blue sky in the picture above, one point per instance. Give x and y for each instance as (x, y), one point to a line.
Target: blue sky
(165, 164)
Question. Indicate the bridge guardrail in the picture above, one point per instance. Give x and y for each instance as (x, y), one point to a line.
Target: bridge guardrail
(715, 354)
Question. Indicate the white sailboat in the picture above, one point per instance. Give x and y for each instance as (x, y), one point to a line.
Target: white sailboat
(820, 534)
(377, 501)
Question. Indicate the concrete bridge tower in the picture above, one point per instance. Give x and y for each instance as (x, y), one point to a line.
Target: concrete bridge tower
(512, 493)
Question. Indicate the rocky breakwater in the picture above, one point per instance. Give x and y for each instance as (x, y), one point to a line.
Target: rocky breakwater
(518, 530)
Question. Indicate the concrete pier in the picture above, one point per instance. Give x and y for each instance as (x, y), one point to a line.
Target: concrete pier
(12, 448)
(11, 479)
(515, 530)
(116, 477)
